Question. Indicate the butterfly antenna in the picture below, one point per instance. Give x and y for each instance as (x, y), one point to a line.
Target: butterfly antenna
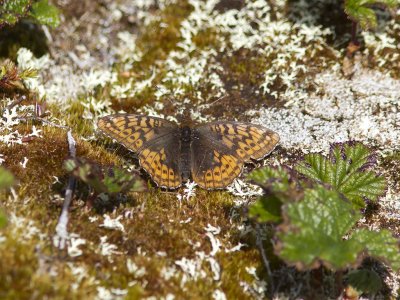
(218, 99)
(208, 105)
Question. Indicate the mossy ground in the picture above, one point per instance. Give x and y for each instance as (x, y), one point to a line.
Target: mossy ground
(160, 230)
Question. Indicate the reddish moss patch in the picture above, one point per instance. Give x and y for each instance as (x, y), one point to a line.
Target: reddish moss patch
(45, 158)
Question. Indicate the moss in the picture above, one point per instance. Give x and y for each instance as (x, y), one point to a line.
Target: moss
(43, 154)
(245, 67)
(207, 38)
(156, 41)
(161, 36)
(24, 270)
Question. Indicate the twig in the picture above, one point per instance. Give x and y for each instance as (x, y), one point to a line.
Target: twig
(43, 121)
(61, 228)
(354, 33)
(260, 246)
(16, 102)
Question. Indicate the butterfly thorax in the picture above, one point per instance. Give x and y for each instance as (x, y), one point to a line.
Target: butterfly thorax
(185, 143)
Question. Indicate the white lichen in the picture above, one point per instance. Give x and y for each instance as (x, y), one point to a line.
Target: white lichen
(110, 223)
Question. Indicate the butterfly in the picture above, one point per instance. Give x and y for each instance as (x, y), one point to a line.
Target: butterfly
(211, 154)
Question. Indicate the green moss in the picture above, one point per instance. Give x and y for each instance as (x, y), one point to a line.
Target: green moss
(155, 41)
(161, 36)
(207, 38)
(245, 67)
(24, 270)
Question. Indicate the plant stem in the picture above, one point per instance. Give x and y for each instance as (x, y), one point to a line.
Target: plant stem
(61, 228)
(354, 33)
(260, 246)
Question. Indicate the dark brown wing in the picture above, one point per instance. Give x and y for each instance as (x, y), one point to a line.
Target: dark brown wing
(155, 140)
(161, 160)
(220, 149)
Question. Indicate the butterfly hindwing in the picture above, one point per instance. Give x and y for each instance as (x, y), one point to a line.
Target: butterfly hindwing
(220, 149)
(212, 166)
(155, 141)
(161, 160)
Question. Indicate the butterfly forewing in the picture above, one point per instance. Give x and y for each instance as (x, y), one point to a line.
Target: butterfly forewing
(155, 140)
(220, 149)
(135, 131)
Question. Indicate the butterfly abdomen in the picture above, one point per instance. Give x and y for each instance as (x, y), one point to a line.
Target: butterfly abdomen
(184, 160)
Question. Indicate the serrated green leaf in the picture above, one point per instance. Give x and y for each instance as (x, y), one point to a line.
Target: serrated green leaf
(365, 281)
(12, 10)
(276, 178)
(45, 13)
(8, 18)
(314, 228)
(6, 178)
(266, 209)
(380, 245)
(278, 190)
(343, 171)
(360, 11)
(15, 6)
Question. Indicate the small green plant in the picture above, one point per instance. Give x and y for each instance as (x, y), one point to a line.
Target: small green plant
(110, 181)
(12, 11)
(268, 207)
(346, 171)
(313, 231)
(11, 78)
(316, 213)
(360, 11)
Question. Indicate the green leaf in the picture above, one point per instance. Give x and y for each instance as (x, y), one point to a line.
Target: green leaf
(12, 10)
(345, 171)
(266, 209)
(16, 6)
(314, 230)
(45, 13)
(380, 245)
(275, 178)
(365, 281)
(6, 178)
(278, 190)
(112, 180)
(11, 78)
(121, 181)
(360, 11)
